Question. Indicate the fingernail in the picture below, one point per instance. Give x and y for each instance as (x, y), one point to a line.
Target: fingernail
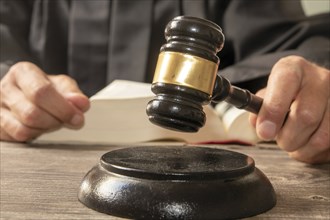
(77, 119)
(267, 130)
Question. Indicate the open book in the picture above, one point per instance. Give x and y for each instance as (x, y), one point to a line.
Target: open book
(118, 116)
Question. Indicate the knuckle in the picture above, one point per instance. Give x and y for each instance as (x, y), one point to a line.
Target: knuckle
(16, 131)
(6, 83)
(65, 79)
(320, 141)
(4, 90)
(290, 67)
(3, 121)
(3, 85)
(293, 60)
(14, 68)
(308, 118)
(22, 133)
(325, 79)
(286, 143)
(30, 115)
(40, 91)
(62, 77)
(18, 67)
(64, 82)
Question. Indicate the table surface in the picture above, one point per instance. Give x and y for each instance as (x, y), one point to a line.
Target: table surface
(41, 181)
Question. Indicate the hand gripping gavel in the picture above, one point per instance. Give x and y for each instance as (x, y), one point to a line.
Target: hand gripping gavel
(186, 76)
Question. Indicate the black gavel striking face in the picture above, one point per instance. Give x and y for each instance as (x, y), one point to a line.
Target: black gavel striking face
(186, 76)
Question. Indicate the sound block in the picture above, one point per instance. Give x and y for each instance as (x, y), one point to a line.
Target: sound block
(176, 182)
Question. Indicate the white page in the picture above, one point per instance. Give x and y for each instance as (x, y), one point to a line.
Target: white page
(118, 115)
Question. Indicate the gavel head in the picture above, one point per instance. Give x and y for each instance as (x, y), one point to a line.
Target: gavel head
(185, 74)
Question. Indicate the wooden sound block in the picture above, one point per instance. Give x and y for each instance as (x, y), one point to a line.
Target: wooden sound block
(176, 182)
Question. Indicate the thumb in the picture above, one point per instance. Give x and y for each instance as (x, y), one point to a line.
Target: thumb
(283, 85)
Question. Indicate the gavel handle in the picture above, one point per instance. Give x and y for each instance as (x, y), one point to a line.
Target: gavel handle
(244, 99)
(240, 98)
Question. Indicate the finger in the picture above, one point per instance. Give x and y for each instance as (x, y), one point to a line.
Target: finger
(78, 100)
(41, 91)
(77, 121)
(12, 129)
(4, 136)
(283, 85)
(306, 114)
(317, 149)
(25, 111)
(64, 84)
(68, 87)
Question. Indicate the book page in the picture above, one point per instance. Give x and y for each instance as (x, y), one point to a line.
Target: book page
(118, 115)
(236, 123)
(123, 89)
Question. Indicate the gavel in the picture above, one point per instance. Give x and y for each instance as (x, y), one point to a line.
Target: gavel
(186, 76)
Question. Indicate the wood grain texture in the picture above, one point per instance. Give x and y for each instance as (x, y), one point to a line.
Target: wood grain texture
(40, 181)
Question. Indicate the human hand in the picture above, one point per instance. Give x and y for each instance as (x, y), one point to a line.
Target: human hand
(33, 103)
(295, 110)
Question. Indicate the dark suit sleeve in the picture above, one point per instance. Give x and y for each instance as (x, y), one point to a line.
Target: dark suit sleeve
(261, 32)
(14, 32)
